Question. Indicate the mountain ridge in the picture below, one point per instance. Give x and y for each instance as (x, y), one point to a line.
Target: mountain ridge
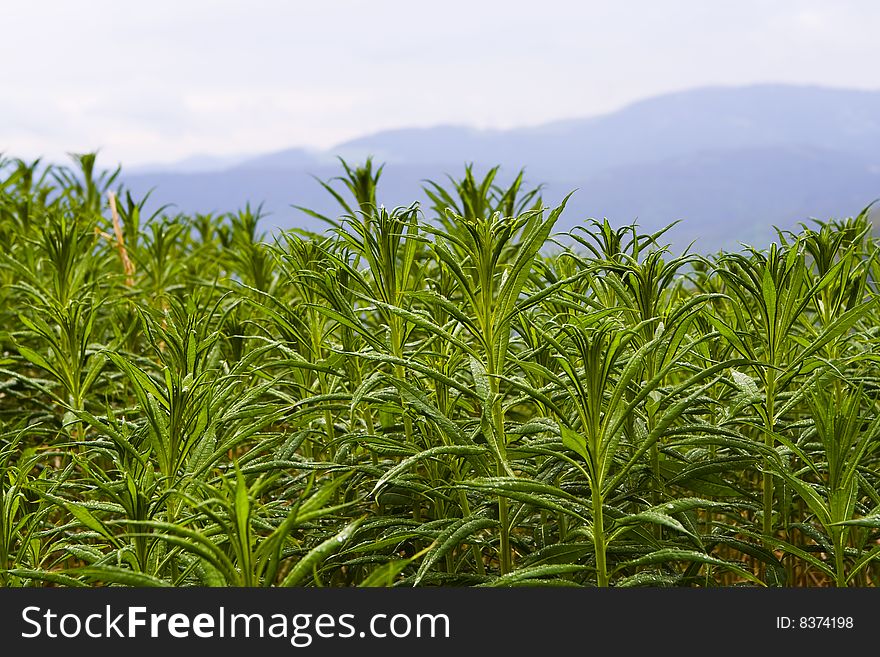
(767, 150)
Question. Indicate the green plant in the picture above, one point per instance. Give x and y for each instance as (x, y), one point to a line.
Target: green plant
(463, 398)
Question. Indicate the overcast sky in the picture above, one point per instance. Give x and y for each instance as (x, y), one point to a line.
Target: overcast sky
(158, 81)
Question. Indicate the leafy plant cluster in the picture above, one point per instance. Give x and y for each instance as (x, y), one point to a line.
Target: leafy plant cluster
(443, 395)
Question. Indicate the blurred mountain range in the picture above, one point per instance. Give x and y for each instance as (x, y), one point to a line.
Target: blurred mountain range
(729, 162)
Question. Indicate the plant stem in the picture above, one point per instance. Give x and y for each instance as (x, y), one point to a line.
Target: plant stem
(505, 557)
(505, 562)
(599, 535)
(839, 572)
(770, 442)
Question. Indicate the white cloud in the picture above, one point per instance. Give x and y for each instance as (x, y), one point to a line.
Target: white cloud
(810, 19)
(162, 80)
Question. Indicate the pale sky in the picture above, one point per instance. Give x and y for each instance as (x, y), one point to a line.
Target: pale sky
(158, 81)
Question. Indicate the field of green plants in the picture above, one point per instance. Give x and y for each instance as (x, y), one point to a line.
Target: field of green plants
(448, 394)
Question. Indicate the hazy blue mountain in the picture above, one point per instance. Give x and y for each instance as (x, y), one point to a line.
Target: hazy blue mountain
(655, 129)
(727, 197)
(192, 164)
(291, 158)
(729, 162)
